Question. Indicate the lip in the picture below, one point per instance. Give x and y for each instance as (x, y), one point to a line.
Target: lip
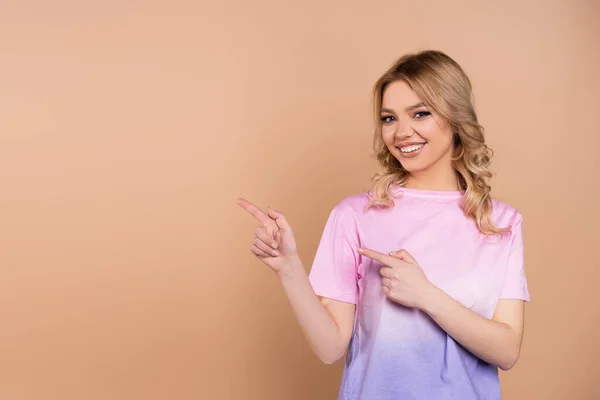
(411, 154)
(404, 144)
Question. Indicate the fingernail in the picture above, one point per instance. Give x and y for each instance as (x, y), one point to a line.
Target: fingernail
(275, 253)
(360, 250)
(274, 245)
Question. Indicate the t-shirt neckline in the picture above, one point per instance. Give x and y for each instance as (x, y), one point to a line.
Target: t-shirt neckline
(424, 193)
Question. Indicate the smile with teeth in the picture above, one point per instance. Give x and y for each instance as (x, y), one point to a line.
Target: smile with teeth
(410, 149)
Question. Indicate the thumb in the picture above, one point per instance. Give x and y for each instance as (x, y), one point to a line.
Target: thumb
(404, 256)
(279, 219)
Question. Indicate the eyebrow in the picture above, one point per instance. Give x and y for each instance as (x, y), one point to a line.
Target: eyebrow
(407, 109)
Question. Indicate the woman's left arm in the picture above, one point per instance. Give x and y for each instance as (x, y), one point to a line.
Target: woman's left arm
(496, 341)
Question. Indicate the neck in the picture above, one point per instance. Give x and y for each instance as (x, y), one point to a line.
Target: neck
(440, 180)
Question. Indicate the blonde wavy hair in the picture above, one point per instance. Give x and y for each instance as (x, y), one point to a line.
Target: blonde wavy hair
(444, 87)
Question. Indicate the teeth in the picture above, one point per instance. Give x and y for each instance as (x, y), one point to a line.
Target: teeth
(410, 149)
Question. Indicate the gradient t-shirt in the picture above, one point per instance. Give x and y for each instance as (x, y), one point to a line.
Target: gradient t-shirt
(397, 352)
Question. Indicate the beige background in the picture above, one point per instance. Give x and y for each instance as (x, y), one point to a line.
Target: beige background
(128, 129)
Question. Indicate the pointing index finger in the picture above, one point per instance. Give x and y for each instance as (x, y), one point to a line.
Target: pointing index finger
(375, 255)
(257, 212)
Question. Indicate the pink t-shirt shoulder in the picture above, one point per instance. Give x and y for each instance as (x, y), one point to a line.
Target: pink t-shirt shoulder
(335, 267)
(515, 282)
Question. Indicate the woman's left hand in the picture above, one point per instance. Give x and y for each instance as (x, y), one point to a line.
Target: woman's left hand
(402, 279)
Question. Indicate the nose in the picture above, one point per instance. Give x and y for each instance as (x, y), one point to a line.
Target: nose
(403, 132)
(404, 129)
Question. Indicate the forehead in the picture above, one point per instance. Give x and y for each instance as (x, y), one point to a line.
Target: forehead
(398, 95)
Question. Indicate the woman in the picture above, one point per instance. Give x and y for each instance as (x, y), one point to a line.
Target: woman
(421, 279)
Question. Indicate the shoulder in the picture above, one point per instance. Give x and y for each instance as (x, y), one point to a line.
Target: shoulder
(350, 210)
(505, 215)
(352, 205)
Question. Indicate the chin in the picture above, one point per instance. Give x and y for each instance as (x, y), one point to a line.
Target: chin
(412, 168)
(413, 165)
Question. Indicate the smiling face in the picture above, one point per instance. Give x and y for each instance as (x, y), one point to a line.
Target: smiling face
(421, 141)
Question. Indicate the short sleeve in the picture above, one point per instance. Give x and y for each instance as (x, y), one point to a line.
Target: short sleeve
(334, 269)
(515, 281)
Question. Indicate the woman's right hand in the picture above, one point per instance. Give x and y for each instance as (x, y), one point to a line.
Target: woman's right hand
(274, 243)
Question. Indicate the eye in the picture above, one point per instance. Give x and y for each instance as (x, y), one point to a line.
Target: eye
(421, 114)
(387, 119)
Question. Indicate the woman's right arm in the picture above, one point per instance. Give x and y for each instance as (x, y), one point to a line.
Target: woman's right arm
(327, 324)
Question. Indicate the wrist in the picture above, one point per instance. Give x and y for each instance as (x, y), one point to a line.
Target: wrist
(290, 269)
(430, 299)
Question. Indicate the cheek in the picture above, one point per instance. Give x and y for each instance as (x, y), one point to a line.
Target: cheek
(387, 134)
(436, 136)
